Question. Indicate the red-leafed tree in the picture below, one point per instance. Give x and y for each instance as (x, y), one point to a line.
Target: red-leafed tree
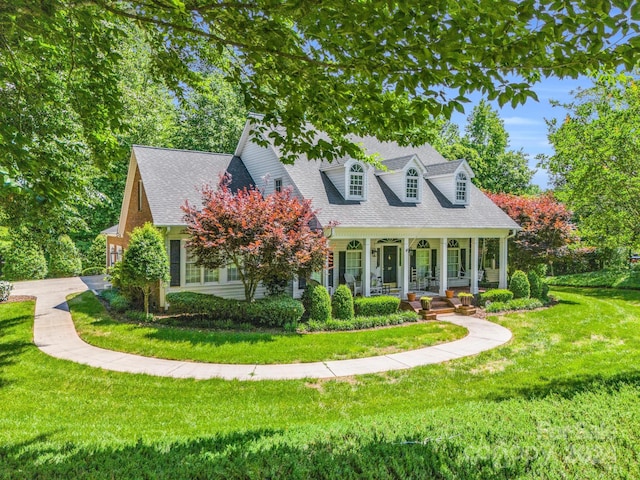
(267, 237)
(546, 228)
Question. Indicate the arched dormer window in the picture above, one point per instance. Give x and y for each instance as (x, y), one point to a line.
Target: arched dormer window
(462, 188)
(412, 192)
(356, 182)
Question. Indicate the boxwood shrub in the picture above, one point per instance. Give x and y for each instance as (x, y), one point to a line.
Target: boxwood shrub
(515, 304)
(271, 311)
(24, 261)
(64, 258)
(318, 307)
(342, 303)
(519, 285)
(535, 283)
(495, 295)
(370, 306)
(360, 323)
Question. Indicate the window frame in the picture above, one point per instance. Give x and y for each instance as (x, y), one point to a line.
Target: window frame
(461, 188)
(412, 175)
(356, 171)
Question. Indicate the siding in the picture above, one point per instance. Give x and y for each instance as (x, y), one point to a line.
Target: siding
(262, 162)
(446, 185)
(337, 177)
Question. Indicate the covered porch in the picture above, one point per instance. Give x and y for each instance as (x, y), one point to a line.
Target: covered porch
(424, 261)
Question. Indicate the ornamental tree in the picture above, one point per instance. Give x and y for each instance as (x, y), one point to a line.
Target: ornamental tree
(145, 261)
(546, 228)
(266, 237)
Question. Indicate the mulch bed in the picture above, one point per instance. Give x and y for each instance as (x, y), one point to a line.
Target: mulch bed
(20, 298)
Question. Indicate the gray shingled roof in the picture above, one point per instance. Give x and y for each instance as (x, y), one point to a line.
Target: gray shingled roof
(396, 163)
(172, 176)
(445, 168)
(383, 208)
(111, 230)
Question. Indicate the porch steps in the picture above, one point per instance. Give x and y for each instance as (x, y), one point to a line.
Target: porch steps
(438, 307)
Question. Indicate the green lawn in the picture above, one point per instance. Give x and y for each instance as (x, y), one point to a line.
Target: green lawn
(96, 327)
(601, 279)
(561, 400)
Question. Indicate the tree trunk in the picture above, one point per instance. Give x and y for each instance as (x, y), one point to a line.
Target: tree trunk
(146, 291)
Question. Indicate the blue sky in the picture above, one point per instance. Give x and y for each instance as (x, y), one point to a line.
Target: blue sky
(526, 123)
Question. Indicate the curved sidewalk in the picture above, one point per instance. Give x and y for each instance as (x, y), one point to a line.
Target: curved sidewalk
(54, 333)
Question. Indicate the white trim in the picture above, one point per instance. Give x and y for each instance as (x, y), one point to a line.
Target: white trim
(347, 183)
(128, 189)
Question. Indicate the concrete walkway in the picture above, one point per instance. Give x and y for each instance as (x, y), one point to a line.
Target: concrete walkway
(55, 334)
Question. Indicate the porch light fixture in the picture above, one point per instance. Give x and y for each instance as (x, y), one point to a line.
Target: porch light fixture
(374, 253)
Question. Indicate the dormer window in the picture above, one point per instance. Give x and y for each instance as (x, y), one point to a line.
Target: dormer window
(411, 186)
(356, 182)
(462, 188)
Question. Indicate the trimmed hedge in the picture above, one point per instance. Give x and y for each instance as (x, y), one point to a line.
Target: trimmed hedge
(495, 295)
(271, 311)
(360, 323)
(342, 304)
(319, 303)
(371, 306)
(519, 285)
(64, 258)
(24, 261)
(535, 283)
(516, 304)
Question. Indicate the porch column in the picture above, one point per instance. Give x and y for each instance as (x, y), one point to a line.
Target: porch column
(366, 281)
(444, 242)
(405, 267)
(474, 265)
(502, 279)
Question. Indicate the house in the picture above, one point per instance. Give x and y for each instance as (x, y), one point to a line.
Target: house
(418, 223)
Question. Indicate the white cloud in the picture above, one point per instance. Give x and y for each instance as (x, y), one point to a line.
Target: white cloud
(521, 121)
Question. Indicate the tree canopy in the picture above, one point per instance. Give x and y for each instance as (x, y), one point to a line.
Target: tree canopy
(374, 67)
(267, 238)
(596, 162)
(485, 145)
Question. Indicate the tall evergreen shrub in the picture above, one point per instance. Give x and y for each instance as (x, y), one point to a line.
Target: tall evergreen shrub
(342, 303)
(318, 304)
(24, 261)
(535, 283)
(519, 285)
(64, 258)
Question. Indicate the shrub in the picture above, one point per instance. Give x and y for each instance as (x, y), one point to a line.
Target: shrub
(342, 303)
(535, 283)
(5, 290)
(360, 323)
(270, 311)
(64, 258)
(495, 295)
(544, 292)
(369, 306)
(519, 285)
(95, 258)
(515, 304)
(117, 302)
(24, 261)
(138, 316)
(319, 303)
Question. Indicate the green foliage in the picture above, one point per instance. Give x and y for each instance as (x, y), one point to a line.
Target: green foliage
(24, 261)
(596, 159)
(117, 302)
(318, 304)
(64, 258)
(5, 290)
(371, 306)
(145, 261)
(269, 311)
(342, 303)
(515, 304)
(495, 295)
(96, 256)
(362, 322)
(519, 285)
(626, 279)
(535, 284)
(485, 147)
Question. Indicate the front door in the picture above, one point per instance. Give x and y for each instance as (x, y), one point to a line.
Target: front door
(390, 264)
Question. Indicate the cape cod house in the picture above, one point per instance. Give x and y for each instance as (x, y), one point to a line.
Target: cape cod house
(418, 225)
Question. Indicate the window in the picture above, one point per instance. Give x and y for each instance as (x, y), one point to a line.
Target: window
(356, 181)
(453, 259)
(461, 188)
(211, 275)
(412, 184)
(139, 195)
(232, 273)
(191, 271)
(277, 184)
(353, 259)
(423, 255)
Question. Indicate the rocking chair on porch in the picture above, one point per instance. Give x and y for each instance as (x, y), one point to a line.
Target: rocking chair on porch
(353, 284)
